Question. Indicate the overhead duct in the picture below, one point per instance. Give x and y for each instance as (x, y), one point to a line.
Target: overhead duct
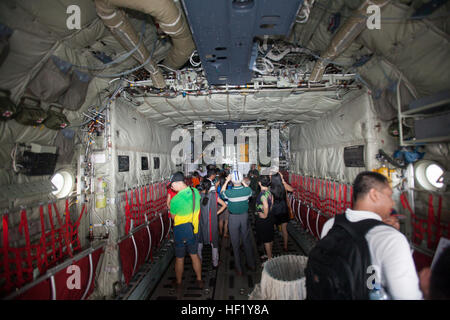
(172, 21)
(303, 16)
(123, 31)
(354, 25)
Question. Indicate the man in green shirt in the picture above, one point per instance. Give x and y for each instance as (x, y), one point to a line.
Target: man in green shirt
(185, 210)
(238, 219)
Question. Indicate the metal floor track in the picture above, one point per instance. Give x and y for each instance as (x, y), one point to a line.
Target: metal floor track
(222, 283)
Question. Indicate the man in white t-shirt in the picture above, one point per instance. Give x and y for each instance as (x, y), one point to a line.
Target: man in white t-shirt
(389, 249)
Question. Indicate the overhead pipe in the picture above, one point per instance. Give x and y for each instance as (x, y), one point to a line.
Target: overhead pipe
(171, 21)
(305, 11)
(352, 28)
(121, 28)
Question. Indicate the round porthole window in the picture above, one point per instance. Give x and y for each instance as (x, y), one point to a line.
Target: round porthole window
(428, 174)
(64, 182)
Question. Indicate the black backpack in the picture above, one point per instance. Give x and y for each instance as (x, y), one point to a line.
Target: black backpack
(337, 265)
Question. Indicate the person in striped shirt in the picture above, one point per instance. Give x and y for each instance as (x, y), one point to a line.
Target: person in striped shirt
(238, 219)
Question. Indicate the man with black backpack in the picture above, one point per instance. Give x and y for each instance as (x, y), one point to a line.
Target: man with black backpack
(359, 253)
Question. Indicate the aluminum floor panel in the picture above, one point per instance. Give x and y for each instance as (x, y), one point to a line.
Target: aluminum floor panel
(223, 283)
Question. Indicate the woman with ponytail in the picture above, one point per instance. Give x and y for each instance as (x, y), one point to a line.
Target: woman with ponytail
(264, 220)
(208, 225)
(280, 209)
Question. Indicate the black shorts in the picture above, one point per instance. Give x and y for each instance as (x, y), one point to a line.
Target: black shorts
(264, 230)
(280, 212)
(281, 218)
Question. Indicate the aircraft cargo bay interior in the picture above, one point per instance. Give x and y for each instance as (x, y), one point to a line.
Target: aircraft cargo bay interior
(224, 150)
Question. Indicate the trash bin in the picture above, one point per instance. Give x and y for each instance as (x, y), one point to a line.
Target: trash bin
(282, 278)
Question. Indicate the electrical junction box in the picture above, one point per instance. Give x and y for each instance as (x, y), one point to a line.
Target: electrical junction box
(354, 156)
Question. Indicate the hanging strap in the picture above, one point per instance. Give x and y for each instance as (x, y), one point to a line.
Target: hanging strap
(345, 198)
(351, 196)
(127, 214)
(151, 203)
(52, 226)
(24, 227)
(137, 216)
(418, 229)
(77, 223)
(66, 232)
(149, 240)
(145, 207)
(340, 207)
(7, 272)
(43, 246)
(68, 229)
(335, 203)
(430, 221)
(74, 230)
(438, 222)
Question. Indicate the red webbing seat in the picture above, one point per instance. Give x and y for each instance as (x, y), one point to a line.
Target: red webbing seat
(127, 258)
(143, 245)
(87, 278)
(135, 250)
(57, 287)
(316, 222)
(167, 223)
(304, 211)
(156, 232)
(430, 227)
(327, 197)
(145, 205)
(17, 264)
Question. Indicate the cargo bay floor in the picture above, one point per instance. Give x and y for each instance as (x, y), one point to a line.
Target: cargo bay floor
(223, 283)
